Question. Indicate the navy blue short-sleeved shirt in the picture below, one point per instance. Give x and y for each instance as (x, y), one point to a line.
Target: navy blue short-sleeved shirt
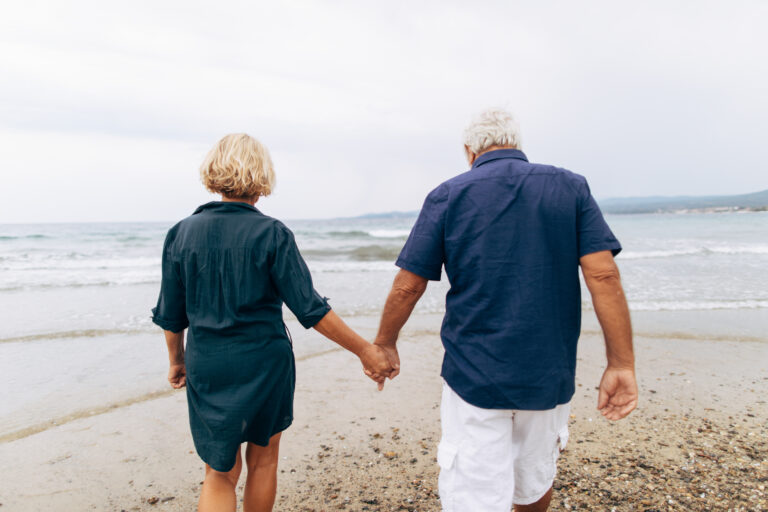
(509, 234)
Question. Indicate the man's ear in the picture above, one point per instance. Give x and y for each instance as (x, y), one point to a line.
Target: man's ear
(471, 157)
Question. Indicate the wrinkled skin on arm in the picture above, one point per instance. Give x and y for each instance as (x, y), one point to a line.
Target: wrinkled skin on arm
(406, 291)
(618, 393)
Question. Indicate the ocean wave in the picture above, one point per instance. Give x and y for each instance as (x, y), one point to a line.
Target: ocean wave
(77, 262)
(24, 237)
(79, 281)
(438, 306)
(135, 238)
(373, 252)
(694, 251)
(333, 266)
(390, 233)
(694, 305)
(84, 333)
(374, 233)
(344, 234)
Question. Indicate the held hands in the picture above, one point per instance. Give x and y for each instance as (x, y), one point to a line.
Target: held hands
(177, 376)
(379, 363)
(618, 393)
(394, 358)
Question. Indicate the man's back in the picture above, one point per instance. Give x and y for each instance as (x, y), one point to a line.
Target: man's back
(511, 237)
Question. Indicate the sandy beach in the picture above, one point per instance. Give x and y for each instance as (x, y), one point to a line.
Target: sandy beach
(699, 440)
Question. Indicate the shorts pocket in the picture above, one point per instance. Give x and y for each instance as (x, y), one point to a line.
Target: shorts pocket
(446, 454)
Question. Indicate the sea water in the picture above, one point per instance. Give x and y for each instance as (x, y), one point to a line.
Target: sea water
(76, 333)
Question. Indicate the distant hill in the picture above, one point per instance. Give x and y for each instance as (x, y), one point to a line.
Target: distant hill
(388, 215)
(757, 201)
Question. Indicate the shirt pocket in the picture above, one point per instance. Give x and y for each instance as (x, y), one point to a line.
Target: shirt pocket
(446, 455)
(562, 439)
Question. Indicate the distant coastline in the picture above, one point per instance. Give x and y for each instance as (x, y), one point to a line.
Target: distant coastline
(754, 202)
(720, 209)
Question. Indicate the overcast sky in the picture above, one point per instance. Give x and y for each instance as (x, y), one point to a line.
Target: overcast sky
(107, 108)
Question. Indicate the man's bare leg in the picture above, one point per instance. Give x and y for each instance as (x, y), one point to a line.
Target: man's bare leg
(540, 506)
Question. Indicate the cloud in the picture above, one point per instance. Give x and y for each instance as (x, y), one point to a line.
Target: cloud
(362, 104)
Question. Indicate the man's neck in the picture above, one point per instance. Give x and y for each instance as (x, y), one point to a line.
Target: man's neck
(495, 148)
(472, 157)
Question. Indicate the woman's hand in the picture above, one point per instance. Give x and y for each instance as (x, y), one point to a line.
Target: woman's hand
(177, 376)
(376, 364)
(177, 373)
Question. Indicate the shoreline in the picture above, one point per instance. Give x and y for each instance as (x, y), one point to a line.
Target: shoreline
(698, 431)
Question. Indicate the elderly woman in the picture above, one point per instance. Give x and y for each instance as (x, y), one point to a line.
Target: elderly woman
(226, 272)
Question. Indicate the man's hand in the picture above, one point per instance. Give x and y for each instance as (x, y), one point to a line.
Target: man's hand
(394, 358)
(618, 393)
(376, 364)
(177, 376)
(618, 388)
(406, 291)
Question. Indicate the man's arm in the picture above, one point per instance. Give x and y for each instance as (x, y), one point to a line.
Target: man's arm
(406, 292)
(618, 387)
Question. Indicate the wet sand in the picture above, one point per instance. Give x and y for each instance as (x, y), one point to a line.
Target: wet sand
(699, 440)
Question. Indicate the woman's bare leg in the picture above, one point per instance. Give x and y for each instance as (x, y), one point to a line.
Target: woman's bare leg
(218, 493)
(261, 483)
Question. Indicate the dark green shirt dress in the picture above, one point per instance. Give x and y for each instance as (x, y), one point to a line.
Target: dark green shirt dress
(226, 271)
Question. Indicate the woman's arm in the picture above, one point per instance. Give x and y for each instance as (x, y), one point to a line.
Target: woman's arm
(374, 358)
(177, 372)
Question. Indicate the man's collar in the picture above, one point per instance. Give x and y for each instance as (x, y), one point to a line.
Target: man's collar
(497, 154)
(224, 205)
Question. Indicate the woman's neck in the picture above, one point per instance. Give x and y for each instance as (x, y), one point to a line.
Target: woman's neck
(250, 200)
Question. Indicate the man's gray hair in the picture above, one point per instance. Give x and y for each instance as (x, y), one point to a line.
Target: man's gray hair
(492, 127)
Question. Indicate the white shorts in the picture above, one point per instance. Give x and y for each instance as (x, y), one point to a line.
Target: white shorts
(492, 458)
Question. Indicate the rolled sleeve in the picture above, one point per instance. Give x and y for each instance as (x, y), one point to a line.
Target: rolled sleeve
(594, 235)
(170, 312)
(293, 282)
(424, 251)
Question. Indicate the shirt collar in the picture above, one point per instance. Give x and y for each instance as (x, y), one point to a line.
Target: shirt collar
(498, 154)
(225, 205)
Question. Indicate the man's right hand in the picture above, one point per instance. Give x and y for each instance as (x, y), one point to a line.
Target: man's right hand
(618, 393)
(376, 364)
(394, 358)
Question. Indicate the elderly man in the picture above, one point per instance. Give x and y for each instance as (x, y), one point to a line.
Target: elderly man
(511, 235)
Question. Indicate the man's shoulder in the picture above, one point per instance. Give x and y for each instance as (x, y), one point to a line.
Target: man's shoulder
(560, 174)
(535, 168)
(524, 168)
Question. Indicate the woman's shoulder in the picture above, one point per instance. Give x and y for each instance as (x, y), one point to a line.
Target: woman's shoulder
(222, 231)
(173, 233)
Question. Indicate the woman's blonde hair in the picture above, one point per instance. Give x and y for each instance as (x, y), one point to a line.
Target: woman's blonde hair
(238, 166)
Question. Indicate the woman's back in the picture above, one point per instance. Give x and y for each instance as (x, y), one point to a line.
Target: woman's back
(235, 266)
